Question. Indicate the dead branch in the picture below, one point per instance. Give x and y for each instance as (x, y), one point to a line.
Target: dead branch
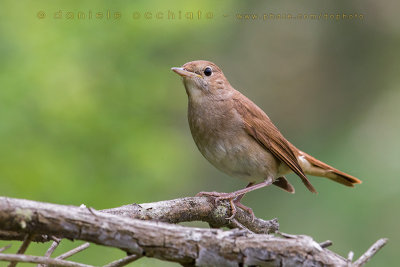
(189, 246)
(39, 259)
(74, 251)
(190, 209)
(123, 261)
(5, 248)
(175, 211)
(370, 252)
(23, 248)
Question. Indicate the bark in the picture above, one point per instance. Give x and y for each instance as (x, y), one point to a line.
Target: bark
(128, 228)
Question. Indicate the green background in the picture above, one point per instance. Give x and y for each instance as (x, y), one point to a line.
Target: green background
(91, 113)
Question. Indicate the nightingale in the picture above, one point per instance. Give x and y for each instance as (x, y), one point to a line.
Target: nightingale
(239, 139)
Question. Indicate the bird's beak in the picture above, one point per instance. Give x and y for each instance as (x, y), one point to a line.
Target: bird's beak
(184, 73)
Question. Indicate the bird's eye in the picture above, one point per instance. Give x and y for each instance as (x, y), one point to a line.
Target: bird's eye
(207, 71)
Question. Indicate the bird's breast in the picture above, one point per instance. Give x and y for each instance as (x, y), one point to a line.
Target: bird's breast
(220, 136)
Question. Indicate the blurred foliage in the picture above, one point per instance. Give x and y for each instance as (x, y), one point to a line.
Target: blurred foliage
(91, 113)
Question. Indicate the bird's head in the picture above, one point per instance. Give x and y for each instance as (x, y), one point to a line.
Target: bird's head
(202, 78)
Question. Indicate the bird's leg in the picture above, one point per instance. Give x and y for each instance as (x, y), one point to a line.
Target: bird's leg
(235, 197)
(237, 202)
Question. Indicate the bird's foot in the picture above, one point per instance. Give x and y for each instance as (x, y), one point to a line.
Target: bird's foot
(233, 201)
(245, 208)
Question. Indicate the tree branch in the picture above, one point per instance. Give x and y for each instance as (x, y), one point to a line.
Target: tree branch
(39, 259)
(73, 251)
(190, 209)
(123, 261)
(22, 248)
(119, 228)
(370, 252)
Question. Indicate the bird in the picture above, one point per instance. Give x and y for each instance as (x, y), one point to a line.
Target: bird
(239, 139)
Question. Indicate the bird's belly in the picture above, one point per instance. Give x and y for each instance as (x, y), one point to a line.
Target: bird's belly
(240, 157)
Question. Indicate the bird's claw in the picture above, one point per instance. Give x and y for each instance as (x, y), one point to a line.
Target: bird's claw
(247, 209)
(217, 196)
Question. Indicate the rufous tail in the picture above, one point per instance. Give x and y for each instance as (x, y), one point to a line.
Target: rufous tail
(312, 166)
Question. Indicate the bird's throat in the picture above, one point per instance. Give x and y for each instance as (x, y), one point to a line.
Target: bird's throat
(193, 91)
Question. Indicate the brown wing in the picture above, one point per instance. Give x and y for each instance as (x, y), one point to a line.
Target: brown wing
(259, 126)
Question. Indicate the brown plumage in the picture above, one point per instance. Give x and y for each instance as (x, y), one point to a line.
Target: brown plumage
(259, 126)
(318, 168)
(283, 183)
(238, 138)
